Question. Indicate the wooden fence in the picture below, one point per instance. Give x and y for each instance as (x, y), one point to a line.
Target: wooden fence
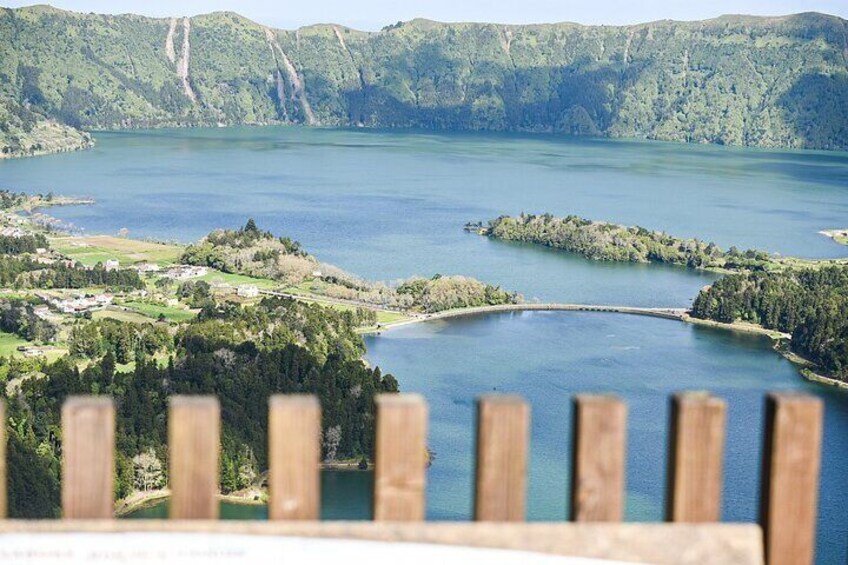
(789, 485)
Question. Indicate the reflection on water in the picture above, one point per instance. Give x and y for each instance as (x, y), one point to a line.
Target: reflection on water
(345, 495)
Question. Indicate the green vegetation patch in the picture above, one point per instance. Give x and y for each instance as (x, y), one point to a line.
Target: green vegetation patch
(91, 250)
(9, 344)
(734, 80)
(604, 241)
(170, 313)
(214, 277)
(809, 304)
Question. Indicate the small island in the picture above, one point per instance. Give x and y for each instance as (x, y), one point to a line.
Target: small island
(605, 241)
(839, 236)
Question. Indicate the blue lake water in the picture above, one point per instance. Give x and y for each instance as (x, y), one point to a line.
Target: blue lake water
(390, 205)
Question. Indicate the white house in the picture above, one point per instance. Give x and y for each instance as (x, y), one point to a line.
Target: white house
(148, 268)
(248, 290)
(183, 272)
(111, 264)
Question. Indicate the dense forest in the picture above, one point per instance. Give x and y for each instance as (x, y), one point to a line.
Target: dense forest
(603, 241)
(763, 81)
(18, 317)
(240, 354)
(810, 304)
(26, 272)
(19, 244)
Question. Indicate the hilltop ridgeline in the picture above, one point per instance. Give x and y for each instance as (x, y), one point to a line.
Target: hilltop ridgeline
(769, 82)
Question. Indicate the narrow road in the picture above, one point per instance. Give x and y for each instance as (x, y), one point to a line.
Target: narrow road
(668, 313)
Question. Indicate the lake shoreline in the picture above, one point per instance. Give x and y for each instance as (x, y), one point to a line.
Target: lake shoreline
(778, 338)
(251, 496)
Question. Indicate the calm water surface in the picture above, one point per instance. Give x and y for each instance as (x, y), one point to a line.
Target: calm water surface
(390, 205)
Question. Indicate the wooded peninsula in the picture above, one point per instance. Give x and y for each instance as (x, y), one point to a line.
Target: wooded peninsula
(804, 298)
(241, 315)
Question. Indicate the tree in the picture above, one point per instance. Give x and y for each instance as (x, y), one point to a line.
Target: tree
(332, 439)
(147, 471)
(250, 227)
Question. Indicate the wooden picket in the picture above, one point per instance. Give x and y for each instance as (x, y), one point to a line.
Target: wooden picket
(696, 458)
(503, 427)
(597, 479)
(790, 468)
(194, 439)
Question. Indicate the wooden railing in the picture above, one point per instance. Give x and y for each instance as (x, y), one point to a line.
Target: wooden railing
(789, 485)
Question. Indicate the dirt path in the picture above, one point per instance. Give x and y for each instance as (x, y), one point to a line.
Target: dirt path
(182, 66)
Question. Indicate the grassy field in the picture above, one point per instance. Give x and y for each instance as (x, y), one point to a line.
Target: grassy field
(384, 317)
(122, 316)
(9, 344)
(89, 250)
(153, 310)
(214, 276)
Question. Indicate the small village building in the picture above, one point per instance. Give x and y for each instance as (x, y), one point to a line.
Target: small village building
(184, 272)
(248, 290)
(12, 232)
(28, 351)
(111, 264)
(80, 304)
(148, 268)
(42, 311)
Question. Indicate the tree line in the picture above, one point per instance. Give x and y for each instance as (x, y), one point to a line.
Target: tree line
(604, 241)
(242, 355)
(16, 245)
(25, 272)
(18, 317)
(810, 304)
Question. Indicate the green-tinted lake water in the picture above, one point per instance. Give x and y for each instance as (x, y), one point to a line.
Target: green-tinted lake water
(389, 205)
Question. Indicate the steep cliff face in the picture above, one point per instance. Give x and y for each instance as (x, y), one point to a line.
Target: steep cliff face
(732, 80)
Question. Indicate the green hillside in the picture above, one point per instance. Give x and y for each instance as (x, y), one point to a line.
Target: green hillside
(770, 82)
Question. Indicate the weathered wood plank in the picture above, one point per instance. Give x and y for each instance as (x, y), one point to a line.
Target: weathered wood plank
(696, 458)
(88, 457)
(503, 425)
(598, 460)
(658, 544)
(790, 481)
(400, 458)
(294, 455)
(194, 436)
(4, 507)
